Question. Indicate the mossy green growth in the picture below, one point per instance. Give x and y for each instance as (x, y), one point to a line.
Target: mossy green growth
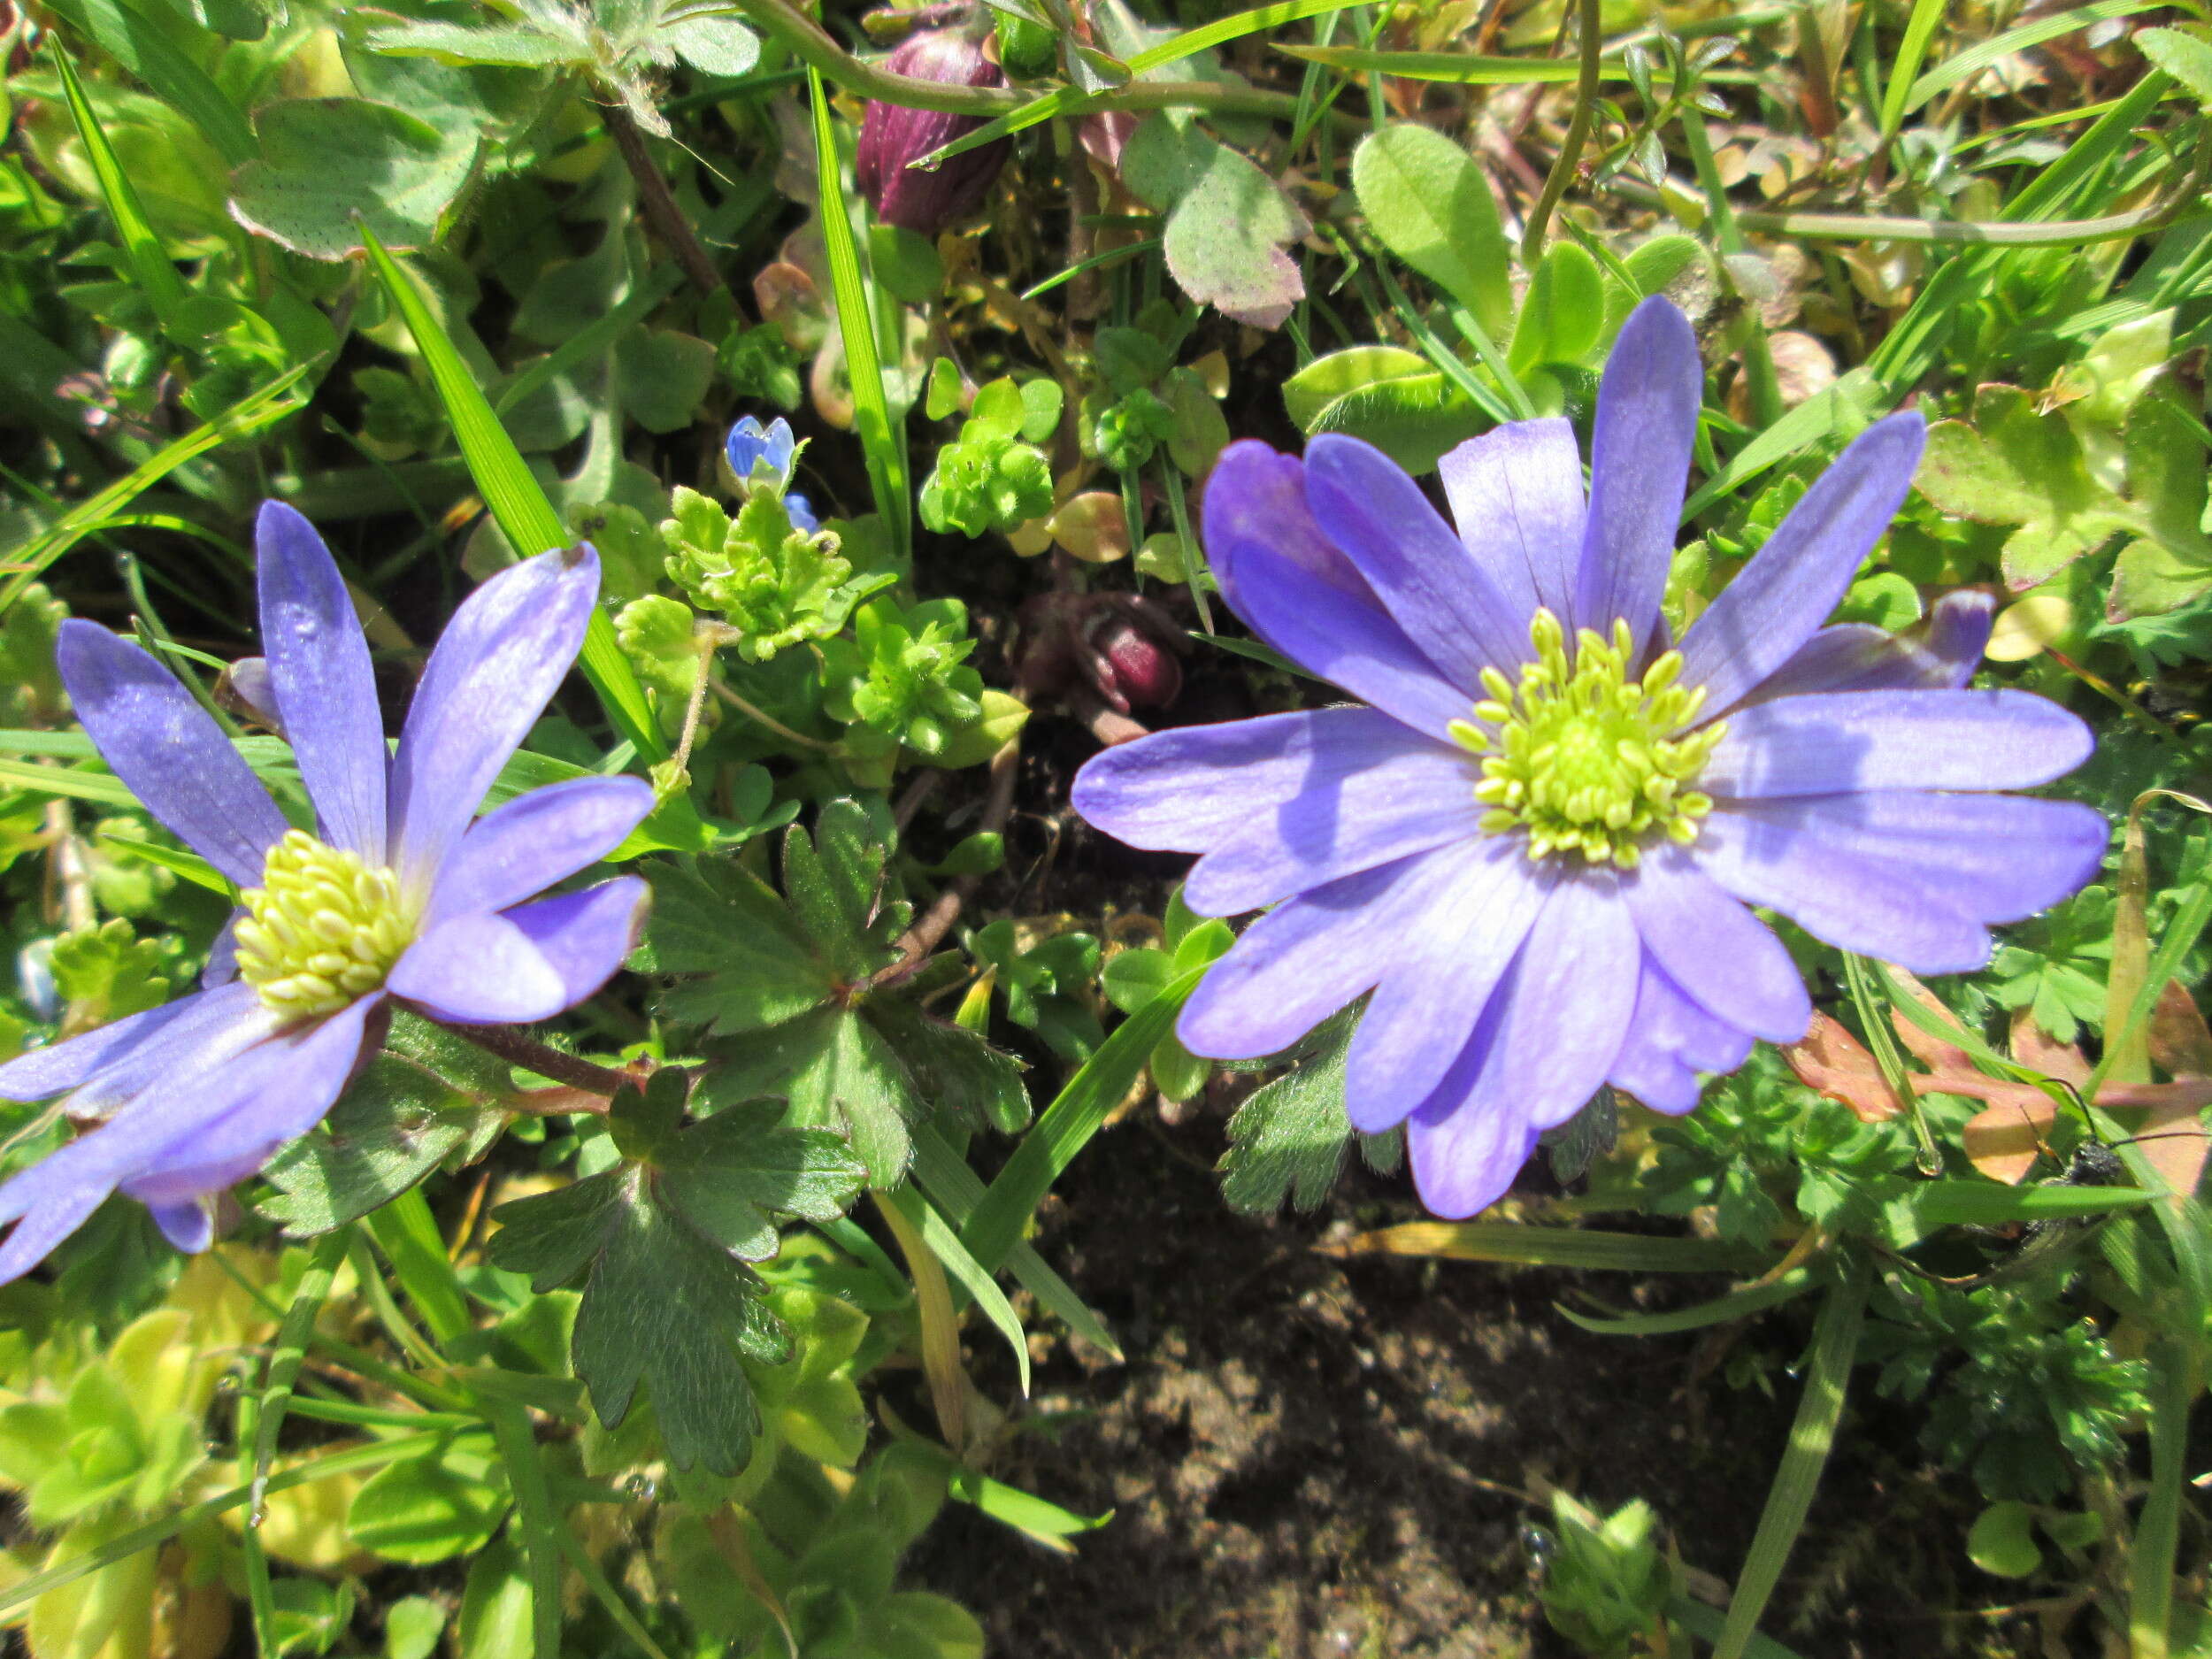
(775, 584)
(903, 673)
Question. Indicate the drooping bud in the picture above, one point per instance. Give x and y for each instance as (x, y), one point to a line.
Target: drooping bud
(1140, 670)
(891, 136)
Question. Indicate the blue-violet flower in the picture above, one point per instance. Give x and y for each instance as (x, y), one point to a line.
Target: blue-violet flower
(750, 446)
(1537, 845)
(401, 893)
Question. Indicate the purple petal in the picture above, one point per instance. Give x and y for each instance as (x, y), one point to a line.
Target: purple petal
(1670, 1040)
(1837, 742)
(60, 1066)
(1857, 657)
(189, 1120)
(1449, 962)
(1465, 1157)
(189, 1228)
(1720, 954)
(274, 1094)
(1639, 460)
(1907, 877)
(326, 691)
(586, 936)
(1406, 803)
(521, 848)
(221, 967)
(1300, 963)
(214, 1027)
(1772, 608)
(1194, 787)
(1454, 612)
(479, 971)
(1516, 499)
(1256, 495)
(1565, 1005)
(500, 660)
(1358, 648)
(165, 746)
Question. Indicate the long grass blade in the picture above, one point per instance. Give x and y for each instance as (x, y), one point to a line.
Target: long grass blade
(1524, 1246)
(157, 277)
(1835, 1338)
(514, 495)
(137, 42)
(883, 443)
(1912, 51)
(1953, 71)
(264, 408)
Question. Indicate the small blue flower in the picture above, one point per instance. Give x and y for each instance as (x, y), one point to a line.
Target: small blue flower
(800, 512)
(401, 894)
(750, 444)
(1537, 845)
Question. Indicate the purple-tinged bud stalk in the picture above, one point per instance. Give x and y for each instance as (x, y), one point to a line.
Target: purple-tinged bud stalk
(891, 136)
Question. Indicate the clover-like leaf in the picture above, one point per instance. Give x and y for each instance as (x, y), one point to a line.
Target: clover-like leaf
(1228, 221)
(330, 166)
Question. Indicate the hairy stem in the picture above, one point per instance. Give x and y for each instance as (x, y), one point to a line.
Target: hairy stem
(654, 195)
(516, 1046)
(1562, 169)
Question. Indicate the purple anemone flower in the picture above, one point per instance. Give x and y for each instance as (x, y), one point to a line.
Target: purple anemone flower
(1538, 845)
(400, 893)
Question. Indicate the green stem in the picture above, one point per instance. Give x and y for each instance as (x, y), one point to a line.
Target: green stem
(1758, 364)
(1562, 169)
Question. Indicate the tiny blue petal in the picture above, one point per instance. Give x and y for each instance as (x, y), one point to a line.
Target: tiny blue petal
(801, 513)
(751, 443)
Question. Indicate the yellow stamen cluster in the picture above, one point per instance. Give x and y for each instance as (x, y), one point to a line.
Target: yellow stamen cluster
(321, 929)
(1585, 759)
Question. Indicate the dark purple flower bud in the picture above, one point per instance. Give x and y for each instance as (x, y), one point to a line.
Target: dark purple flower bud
(1135, 667)
(891, 136)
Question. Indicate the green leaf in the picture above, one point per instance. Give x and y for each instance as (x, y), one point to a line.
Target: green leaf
(715, 919)
(510, 45)
(1427, 201)
(1563, 317)
(2002, 1540)
(713, 45)
(2016, 466)
(330, 167)
(663, 1243)
(1394, 399)
(446, 1502)
(1288, 1141)
(430, 1095)
(1228, 221)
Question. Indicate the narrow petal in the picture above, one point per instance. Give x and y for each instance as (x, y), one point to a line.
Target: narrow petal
(479, 971)
(214, 1027)
(61, 1066)
(1640, 461)
(1836, 743)
(182, 1116)
(274, 1094)
(1906, 877)
(1448, 964)
(1670, 1041)
(586, 936)
(168, 750)
(1362, 651)
(1517, 500)
(1793, 583)
(1565, 1005)
(1255, 494)
(1464, 1156)
(1941, 655)
(1407, 804)
(1720, 954)
(1454, 612)
(521, 848)
(320, 672)
(189, 1226)
(498, 662)
(1300, 963)
(1192, 788)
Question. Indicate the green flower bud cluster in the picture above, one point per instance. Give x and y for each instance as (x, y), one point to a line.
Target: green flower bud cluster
(992, 476)
(776, 584)
(903, 673)
(1128, 432)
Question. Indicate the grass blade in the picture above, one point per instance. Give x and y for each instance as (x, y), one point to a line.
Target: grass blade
(136, 42)
(1912, 51)
(941, 1241)
(1952, 71)
(1740, 1303)
(157, 277)
(536, 1518)
(2177, 1378)
(1070, 1122)
(1835, 1338)
(1513, 1242)
(883, 443)
(514, 495)
(271, 403)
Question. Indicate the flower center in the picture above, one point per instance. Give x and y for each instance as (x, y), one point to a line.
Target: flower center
(321, 929)
(1584, 758)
